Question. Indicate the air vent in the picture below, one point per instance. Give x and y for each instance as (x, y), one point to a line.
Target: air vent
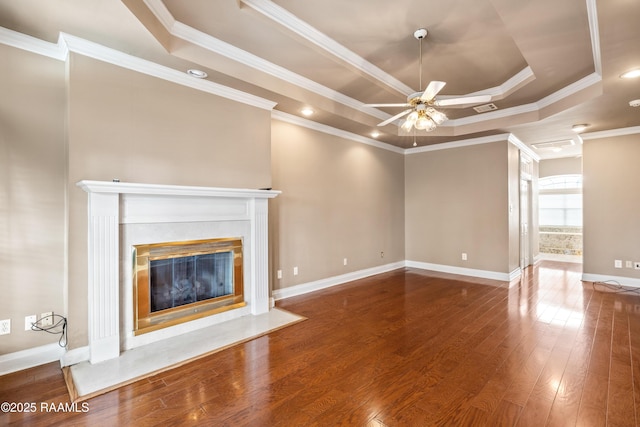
(554, 146)
(484, 108)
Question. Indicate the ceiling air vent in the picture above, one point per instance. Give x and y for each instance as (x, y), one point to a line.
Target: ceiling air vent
(554, 146)
(484, 108)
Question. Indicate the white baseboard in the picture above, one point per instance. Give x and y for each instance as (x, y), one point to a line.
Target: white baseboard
(629, 282)
(25, 359)
(75, 356)
(484, 274)
(305, 288)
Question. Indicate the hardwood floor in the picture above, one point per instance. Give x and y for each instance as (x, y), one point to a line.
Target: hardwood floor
(405, 348)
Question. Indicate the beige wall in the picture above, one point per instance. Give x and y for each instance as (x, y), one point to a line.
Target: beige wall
(457, 200)
(563, 166)
(340, 199)
(611, 205)
(137, 128)
(32, 187)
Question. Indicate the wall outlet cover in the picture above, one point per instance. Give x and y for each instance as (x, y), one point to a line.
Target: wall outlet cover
(5, 326)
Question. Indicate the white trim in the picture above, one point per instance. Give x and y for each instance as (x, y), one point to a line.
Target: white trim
(32, 44)
(317, 285)
(611, 133)
(205, 41)
(115, 57)
(25, 359)
(458, 144)
(68, 43)
(75, 356)
(592, 13)
(624, 281)
(290, 118)
(294, 24)
(484, 274)
(523, 147)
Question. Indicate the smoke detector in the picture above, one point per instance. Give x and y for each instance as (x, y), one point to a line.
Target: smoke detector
(635, 103)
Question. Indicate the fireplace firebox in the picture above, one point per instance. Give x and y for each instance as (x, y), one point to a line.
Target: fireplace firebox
(177, 282)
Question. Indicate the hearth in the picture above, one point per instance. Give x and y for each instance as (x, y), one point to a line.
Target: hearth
(176, 282)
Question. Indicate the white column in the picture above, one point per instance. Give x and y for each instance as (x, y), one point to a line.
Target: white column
(260, 255)
(103, 277)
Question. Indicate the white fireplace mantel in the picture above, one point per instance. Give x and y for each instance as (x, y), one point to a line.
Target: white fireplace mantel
(112, 204)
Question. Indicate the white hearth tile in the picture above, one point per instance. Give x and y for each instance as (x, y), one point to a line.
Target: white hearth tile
(91, 379)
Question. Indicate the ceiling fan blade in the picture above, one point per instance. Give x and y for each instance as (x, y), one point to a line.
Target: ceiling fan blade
(388, 105)
(477, 99)
(396, 117)
(432, 90)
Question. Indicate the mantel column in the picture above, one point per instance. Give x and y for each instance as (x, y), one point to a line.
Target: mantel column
(103, 277)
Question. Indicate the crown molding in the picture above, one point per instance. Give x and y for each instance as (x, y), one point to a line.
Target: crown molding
(294, 24)
(523, 147)
(69, 43)
(310, 124)
(592, 14)
(34, 45)
(611, 133)
(458, 144)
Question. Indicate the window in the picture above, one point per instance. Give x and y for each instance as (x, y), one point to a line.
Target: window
(560, 201)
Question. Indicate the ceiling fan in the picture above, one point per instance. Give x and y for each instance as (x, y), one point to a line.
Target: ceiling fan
(422, 115)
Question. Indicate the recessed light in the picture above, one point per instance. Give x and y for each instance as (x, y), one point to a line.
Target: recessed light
(307, 111)
(199, 74)
(579, 128)
(375, 134)
(635, 103)
(631, 74)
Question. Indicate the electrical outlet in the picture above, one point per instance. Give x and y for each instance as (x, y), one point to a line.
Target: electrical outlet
(464, 256)
(46, 319)
(5, 326)
(29, 321)
(628, 264)
(279, 274)
(617, 263)
(295, 271)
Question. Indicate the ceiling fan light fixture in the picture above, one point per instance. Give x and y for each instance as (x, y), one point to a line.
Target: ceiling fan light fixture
(425, 123)
(437, 116)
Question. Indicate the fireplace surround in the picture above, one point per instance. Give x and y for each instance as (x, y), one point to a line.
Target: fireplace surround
(123, 215)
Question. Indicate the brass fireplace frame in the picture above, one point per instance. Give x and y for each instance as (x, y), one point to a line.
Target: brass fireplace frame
(146, 321)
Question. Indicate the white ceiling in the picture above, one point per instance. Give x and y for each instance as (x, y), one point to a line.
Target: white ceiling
(547, 64)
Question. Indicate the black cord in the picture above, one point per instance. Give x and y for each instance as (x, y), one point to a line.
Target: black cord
(51, 329)
(613, 286)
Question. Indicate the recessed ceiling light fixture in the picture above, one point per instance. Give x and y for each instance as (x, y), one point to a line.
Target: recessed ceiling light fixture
(199, 74)
(375, 134)
(307, 111)
(631, 74)
(579, 128)
(634, 103)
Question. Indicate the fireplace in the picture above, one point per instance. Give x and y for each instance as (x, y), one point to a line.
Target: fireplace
(123, 217)
(176, 282)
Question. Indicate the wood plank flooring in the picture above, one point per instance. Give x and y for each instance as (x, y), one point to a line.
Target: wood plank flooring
(404, 348)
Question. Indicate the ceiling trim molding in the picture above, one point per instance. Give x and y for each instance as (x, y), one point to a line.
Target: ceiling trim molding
(573, 88)
(310, 124)
(458, 144)
(34, 45)
(69, 43)
(294, 24)
(592, 14)
(611, 133)
(523, 147)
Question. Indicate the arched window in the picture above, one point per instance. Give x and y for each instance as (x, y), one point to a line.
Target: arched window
(560, 201)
